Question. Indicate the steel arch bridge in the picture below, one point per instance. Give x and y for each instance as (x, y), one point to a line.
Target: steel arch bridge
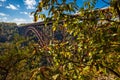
(43, 33)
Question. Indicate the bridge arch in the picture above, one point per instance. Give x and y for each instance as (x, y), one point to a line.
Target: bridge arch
(42, 38)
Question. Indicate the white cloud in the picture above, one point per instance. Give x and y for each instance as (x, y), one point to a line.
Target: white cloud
(2, 0)
(15, 20)
(12, 7)
(24, 13)
(28, 14)
(0, 5)
(3, 19)
(19, 20)
(3, 14)
(18, 6)
(31, 16)
(30, 4)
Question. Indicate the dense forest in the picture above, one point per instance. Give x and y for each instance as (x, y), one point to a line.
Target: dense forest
(88, 50)
(6, 31)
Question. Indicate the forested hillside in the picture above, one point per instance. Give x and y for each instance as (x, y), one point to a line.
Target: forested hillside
(7, 31)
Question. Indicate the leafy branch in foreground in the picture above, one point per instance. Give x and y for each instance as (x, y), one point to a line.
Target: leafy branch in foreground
(94, 49)
(90, 51)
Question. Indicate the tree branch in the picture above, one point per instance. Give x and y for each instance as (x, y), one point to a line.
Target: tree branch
(106, 2)
(117, 9)
(111, 70)
(117, 74)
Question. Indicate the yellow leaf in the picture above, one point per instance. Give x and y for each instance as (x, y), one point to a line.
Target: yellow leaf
(34, 52)
(65, 25)
(54, 28)
(55, 76)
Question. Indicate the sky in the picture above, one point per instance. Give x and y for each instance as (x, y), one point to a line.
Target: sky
(18, 11)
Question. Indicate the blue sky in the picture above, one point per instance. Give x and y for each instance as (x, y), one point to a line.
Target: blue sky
(19, 10)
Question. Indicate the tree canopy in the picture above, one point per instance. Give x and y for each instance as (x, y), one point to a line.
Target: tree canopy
(90, 49)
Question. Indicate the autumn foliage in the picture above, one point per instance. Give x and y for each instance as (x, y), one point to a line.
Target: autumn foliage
(90, 49)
